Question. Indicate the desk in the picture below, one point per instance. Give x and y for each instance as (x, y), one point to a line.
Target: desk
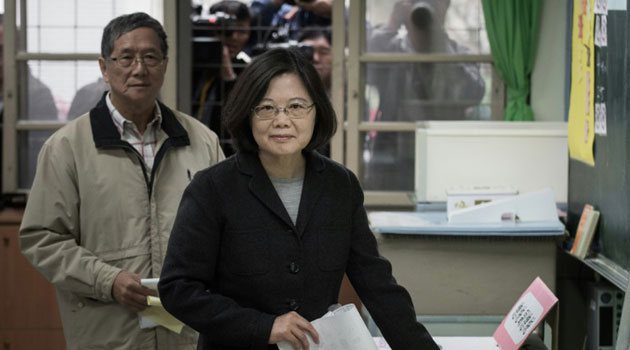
(467, 269)
(533, 342)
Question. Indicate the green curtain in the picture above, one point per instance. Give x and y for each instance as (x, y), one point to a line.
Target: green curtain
(512, 27)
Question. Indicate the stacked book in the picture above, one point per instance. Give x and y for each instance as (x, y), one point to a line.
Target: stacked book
(585, 231)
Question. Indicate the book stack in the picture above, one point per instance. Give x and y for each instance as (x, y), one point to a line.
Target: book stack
(585, 231)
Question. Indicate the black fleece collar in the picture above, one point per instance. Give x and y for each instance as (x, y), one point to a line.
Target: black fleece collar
(106, 135)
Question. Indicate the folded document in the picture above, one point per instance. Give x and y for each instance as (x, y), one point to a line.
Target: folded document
(155, 314)
(342, 328)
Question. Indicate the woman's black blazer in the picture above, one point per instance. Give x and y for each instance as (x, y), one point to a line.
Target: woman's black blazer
(235, 260)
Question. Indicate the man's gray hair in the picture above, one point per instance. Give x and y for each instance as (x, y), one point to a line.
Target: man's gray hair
(126, 23)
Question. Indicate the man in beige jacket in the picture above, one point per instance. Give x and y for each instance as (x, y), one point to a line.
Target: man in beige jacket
(106, 191)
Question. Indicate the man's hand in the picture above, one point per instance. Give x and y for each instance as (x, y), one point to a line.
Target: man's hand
(128, 291)
(322, 8)
(292, 328)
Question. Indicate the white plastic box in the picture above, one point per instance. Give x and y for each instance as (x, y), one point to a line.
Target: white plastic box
(527, 156)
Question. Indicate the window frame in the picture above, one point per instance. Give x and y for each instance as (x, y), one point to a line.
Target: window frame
(348, 77)
(355, 62)
(13, 58)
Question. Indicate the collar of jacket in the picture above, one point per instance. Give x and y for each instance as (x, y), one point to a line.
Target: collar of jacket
(106, 135)
(249, 163)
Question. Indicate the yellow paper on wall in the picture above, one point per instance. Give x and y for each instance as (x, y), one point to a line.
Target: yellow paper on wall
(156, 313)
(581, 107)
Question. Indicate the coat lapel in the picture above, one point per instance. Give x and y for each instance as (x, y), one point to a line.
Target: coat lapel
(311, 190)
(261, 187)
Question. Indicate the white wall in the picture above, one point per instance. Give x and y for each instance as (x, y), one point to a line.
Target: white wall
(547, 95)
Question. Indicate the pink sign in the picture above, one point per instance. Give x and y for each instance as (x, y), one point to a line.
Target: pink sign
(525, 315)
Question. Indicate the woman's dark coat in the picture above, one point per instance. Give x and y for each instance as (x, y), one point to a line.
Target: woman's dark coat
(235, 260)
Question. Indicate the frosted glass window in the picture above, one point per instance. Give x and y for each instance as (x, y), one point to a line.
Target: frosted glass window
(462, 23)
(57, 81)
(76, 26)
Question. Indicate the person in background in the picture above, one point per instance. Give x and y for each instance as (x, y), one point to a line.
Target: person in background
(106, 192)
(262, 240)
(40, 105)
(320, 41)
(423, 91)
(282, 20)
(215, 84)
(86, 98)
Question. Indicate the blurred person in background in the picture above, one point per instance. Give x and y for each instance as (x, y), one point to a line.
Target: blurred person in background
(415, 91)
(40, 105)
(282, 20)
(320, 41)
(86, 98)
(215, 83)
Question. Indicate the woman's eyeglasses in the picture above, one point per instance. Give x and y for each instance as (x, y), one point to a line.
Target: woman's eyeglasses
(294, 110)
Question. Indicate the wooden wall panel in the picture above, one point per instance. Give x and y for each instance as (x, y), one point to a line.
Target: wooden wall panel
(28, 305)
(23, 339)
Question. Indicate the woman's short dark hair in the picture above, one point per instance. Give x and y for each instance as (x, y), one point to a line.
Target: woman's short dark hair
(252, 84)
(124, 24)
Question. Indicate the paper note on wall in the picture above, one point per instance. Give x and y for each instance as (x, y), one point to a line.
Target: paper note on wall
(581, 108)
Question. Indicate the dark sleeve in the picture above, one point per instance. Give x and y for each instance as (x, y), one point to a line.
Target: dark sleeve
(263, 11)
(389, 304)
(188, 280)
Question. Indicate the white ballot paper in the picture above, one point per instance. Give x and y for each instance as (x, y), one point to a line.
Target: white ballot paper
(341, 329)
(155, 314)
(150, 283)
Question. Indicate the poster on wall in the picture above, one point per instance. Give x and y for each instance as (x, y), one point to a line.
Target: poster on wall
(583, 69)
(601, 67)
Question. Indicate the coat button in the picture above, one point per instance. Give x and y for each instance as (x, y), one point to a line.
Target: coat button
(294, 267)
(293, 305)
(80, 304)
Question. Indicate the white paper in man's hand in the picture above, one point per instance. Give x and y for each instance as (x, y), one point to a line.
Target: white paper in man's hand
(150, 283)
(342, 329)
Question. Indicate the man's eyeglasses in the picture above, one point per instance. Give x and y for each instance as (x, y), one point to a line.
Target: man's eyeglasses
(127, 61)
(294, 110)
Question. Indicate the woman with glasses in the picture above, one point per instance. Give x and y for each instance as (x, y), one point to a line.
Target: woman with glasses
(262, 240)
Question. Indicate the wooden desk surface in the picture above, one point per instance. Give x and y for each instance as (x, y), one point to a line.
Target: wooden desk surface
(29, 318)
(10, 216)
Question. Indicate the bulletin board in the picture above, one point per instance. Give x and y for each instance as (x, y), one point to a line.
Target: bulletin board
(605, 182)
